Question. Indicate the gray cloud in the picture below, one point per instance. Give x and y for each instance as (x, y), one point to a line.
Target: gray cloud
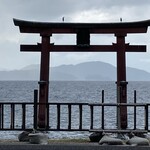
(53, 10)
(50, 9)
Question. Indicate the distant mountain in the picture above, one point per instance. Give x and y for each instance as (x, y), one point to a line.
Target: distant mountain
(88, 71)
(95, 71)
(31, 67)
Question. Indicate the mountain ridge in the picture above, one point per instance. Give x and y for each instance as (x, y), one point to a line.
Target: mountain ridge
(86, 71)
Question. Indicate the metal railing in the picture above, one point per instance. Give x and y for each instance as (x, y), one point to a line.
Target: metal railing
(134, 105)
(68, 116)
(8, 116)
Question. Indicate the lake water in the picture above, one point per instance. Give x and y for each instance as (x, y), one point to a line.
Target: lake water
(74, 91)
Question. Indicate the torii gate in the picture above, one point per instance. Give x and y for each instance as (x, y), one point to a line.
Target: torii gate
(83, 31)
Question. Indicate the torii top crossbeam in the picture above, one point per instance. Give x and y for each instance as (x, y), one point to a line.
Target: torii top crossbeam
(83, 31)
(62, 27)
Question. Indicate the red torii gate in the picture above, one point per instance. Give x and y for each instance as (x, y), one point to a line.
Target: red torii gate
(83, 31)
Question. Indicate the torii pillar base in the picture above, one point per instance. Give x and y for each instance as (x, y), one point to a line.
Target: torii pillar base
(122, 122)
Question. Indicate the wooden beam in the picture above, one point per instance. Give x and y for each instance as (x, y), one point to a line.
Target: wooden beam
(66, 27)
(75, 48)
(71, 30)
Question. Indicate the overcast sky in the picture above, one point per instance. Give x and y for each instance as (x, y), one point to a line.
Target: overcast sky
(73, 11)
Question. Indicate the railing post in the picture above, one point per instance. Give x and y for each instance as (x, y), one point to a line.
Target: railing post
(69, 116)
(146, 117)
(0, 116)
(12, 125)
(35, 108)
(23, 116)
(80, 116)
(58, 116)
(103, 110)
(134, 110)
(91, 108)
(47, 126)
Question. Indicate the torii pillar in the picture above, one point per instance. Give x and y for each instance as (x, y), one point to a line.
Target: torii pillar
(44, 80)
(121, 80)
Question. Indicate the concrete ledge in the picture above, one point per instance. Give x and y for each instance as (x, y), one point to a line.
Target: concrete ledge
(89, 146)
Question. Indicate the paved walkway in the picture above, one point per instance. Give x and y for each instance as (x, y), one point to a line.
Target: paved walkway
(74, 146)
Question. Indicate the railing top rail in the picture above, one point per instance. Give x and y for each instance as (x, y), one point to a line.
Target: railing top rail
(119, 104)
(28, 103)
(90, 104)
(67, 103)
(16, 103)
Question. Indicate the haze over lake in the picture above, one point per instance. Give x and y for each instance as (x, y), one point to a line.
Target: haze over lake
(88, 71)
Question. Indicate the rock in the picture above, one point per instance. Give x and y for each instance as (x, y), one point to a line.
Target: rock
(23, 137)
(96, 136)
(108, 140)
(123, 137)
(38, 138)
(131, 135)
(147, 136)
(138, 141)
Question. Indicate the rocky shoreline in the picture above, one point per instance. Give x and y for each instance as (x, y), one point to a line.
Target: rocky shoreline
(120, 139)
(94, 139)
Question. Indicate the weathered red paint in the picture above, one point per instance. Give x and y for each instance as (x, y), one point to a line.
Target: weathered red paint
(44, 81)
(74, 48)
(121, 76)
